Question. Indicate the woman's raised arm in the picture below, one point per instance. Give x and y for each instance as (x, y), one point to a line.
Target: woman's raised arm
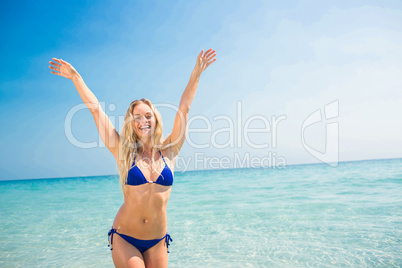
(179, 132)
(106, 129)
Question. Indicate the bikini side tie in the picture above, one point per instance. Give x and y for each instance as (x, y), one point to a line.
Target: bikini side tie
(167, 241)
(110, 238)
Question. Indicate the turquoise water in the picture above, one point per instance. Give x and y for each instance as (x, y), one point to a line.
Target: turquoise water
(300, 216)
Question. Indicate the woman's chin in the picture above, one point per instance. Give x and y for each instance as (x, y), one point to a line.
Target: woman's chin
(146, 135)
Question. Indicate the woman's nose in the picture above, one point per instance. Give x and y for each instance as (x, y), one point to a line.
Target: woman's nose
(143, 119)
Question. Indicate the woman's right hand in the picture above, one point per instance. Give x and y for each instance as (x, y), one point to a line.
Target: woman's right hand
(62, 68)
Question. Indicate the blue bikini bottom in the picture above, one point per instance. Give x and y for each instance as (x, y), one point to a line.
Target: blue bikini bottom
(141, 245)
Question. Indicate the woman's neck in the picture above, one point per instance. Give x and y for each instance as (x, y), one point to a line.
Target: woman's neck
(147, 150)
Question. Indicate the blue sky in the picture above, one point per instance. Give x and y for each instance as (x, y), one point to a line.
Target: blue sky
(274, 58)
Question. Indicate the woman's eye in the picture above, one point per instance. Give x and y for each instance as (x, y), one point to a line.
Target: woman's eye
(149, 116)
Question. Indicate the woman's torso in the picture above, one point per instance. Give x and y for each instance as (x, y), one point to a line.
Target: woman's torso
(143, 213)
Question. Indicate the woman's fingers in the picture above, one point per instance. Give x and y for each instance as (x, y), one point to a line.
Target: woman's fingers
(56, 60)
(209, 52)
(61, 67)
(55, 64)
(209, 63)
(60, 61)
(206, 58)
(55, 73)
(210, 57)
(54, 68)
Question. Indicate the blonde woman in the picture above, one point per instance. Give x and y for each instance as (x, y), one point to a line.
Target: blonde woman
(146, 163)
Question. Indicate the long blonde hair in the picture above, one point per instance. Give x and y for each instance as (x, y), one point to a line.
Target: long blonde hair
(130, 144)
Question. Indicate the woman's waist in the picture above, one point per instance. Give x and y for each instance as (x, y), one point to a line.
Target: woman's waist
(141, 223)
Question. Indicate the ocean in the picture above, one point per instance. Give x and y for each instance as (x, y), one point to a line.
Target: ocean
(299, 216)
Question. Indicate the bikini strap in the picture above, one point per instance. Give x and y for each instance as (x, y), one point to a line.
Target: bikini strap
(162, 156)
(134, 159)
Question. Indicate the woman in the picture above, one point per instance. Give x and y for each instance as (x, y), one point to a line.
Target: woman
(146, 164)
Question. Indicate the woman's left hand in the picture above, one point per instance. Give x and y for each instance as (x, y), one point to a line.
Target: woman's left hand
(204, 59)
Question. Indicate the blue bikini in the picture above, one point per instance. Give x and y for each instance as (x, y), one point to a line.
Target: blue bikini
(134, 178)
(141, 245)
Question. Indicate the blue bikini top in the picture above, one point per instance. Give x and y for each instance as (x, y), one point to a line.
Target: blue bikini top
(136, 177)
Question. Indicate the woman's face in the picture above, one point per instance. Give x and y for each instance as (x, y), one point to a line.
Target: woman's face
(144, 120)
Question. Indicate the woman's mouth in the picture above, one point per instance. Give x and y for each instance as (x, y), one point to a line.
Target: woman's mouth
(145, 127)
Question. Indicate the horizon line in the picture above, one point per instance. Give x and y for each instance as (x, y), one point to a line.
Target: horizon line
(181, 172)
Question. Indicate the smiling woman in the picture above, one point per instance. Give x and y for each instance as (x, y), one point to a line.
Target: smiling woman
(146, 164)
